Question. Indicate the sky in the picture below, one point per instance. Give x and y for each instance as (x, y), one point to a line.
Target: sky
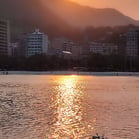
(128, 7)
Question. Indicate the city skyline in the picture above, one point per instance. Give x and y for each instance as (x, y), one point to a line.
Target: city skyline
(122, 6)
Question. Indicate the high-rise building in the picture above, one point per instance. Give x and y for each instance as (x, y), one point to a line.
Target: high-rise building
(37, 43)
(103, 48)
(4, 37)
(132, 44)
(85, 46)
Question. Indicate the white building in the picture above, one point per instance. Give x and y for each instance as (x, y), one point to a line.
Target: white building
(103, 48)
(37, 43)
(4, 37)
(132, 45)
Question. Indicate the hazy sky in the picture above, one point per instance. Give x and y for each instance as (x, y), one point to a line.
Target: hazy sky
(128, 7)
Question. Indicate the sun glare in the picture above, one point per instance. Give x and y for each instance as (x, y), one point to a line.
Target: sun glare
(69, 108)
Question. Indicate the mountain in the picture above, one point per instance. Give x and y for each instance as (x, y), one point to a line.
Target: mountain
(83, 16)
(57, 17)
(26, 15)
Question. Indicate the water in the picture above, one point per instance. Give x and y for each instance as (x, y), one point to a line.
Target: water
(68, 107)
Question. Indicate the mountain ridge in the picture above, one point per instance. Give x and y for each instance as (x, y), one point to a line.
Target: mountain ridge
(83, 16)
(58, 17)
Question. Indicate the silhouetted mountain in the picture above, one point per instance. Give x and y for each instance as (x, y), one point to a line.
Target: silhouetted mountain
(25, 15)
(57, 17)
(83, 16)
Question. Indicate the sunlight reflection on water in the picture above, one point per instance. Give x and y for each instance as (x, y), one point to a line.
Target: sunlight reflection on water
(70, 109)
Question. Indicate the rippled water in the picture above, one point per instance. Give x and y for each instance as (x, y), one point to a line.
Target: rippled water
(68, 107)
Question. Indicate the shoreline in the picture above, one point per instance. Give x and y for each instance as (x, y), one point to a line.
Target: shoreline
(70, 73)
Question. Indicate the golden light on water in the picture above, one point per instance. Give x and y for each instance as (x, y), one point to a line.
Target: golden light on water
(69, 109)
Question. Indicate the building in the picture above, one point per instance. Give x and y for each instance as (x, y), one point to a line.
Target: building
(76, 51)
(62, 44)
(103, 48)
(4, 37)
(58, 43)
(37, 43)
(18, 47)
(14, 49)
(66, 48)
(132, 43)
(85, 50)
